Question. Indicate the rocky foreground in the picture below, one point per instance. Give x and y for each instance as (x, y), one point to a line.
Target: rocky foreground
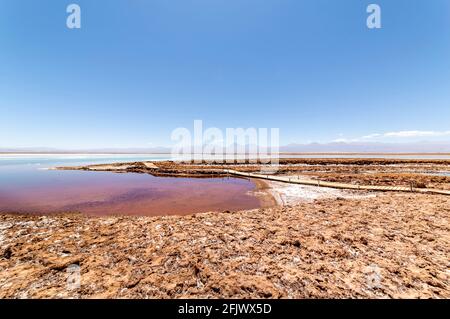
(392, 245)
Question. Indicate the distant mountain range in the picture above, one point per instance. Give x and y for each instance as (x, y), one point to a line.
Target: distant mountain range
(47, 150)
(371, 147)
(337, 147)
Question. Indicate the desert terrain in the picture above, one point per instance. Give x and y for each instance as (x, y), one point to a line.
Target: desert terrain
(314, 243)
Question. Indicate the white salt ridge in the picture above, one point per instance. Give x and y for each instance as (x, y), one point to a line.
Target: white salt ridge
(289, 194)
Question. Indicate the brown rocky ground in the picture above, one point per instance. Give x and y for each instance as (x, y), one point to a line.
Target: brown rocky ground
(385, 179)
(391, 246)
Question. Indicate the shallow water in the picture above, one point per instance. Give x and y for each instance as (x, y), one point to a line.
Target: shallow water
(27, 186)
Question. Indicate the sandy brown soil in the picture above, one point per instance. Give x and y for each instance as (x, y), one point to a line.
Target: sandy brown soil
(393, 245)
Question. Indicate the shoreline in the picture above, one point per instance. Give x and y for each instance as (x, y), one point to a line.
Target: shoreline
(263, 191)
(364, 177)
(368, 174)
(391, 174)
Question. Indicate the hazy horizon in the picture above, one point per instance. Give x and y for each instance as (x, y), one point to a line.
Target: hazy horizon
(333, 147)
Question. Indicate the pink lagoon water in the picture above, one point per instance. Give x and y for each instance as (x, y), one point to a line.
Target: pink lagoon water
(27, 186)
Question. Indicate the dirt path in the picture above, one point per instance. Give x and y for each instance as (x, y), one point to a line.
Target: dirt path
(318, 183)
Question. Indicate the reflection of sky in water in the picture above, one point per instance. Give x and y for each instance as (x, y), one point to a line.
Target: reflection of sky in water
(26, 185)
(25, 170)
(46, 161)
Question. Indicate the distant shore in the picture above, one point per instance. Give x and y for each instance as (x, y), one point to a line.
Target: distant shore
(374, 170)
(419, 174)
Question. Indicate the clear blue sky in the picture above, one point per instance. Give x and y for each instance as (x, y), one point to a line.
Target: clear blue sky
(137, 69)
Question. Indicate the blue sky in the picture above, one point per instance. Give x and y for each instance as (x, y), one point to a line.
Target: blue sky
(138, 69)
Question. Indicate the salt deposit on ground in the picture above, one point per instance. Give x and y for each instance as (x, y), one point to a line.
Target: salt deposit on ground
(290, 194)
